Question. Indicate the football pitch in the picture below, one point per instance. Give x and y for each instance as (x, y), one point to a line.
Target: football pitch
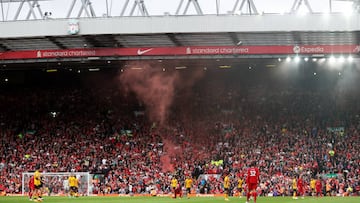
(183, 200)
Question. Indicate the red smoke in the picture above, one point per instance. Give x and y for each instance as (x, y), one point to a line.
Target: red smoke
(166, 165)
(153, 86)
(171, 151)
(156, 89)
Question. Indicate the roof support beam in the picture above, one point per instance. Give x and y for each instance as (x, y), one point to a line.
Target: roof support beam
(194, 2)
(247, 5)
(296, 37)
(57, 43)
(32, 4)
(30, 9)
(235, 38)
(4, 47)
(92, 41)
(85, 6)
(124, 8)
(297, 4)
(217, 7)
(357, 37)
(113, 40)
(174, 39)
(139, 4)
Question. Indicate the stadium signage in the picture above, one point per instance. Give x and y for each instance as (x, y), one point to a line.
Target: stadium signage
(181, 51)
(221, 50)
(65, 53)
(141, 52)
(73, 27)
(308, 49)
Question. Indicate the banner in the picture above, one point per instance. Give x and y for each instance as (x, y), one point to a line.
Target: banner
(337, 130)
(217, 163)
(181, 51)
(331, 175)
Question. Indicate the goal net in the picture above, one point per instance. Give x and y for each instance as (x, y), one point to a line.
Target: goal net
(57, 183)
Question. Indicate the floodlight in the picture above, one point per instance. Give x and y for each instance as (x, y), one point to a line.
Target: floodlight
(332, 59)
(341, 59)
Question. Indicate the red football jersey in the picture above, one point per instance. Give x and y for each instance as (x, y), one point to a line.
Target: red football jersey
(318, 184)
(252, 175)
(31, 182)
(300, 183)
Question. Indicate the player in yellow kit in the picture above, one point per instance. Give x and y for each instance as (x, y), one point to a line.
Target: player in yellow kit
(174, 184)
(226, 186)
(240, 186)
(38, 185)
(312, 186)
(74, 185)
(294, 187)
(188, 185)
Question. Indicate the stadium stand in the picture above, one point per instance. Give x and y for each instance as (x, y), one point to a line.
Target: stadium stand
(287, 129)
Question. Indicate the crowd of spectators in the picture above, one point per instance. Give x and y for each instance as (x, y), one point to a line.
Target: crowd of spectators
(287, 130)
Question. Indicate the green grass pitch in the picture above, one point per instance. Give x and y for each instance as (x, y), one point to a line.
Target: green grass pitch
(183, 200)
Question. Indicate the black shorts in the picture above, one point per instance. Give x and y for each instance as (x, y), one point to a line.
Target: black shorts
(38, 186)
(73, 189)
(226, 190)
(188, 190)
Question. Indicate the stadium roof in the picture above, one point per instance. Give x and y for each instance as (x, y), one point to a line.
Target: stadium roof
(181, 39)
(335, 29)
(246, 36)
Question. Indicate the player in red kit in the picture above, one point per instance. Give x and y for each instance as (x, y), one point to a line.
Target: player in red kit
(31, 187)
(300, 187)
(252, 181)
(179, 190)
(318, 188)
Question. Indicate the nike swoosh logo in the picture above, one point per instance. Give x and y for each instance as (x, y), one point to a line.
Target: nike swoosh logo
(141, 52)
